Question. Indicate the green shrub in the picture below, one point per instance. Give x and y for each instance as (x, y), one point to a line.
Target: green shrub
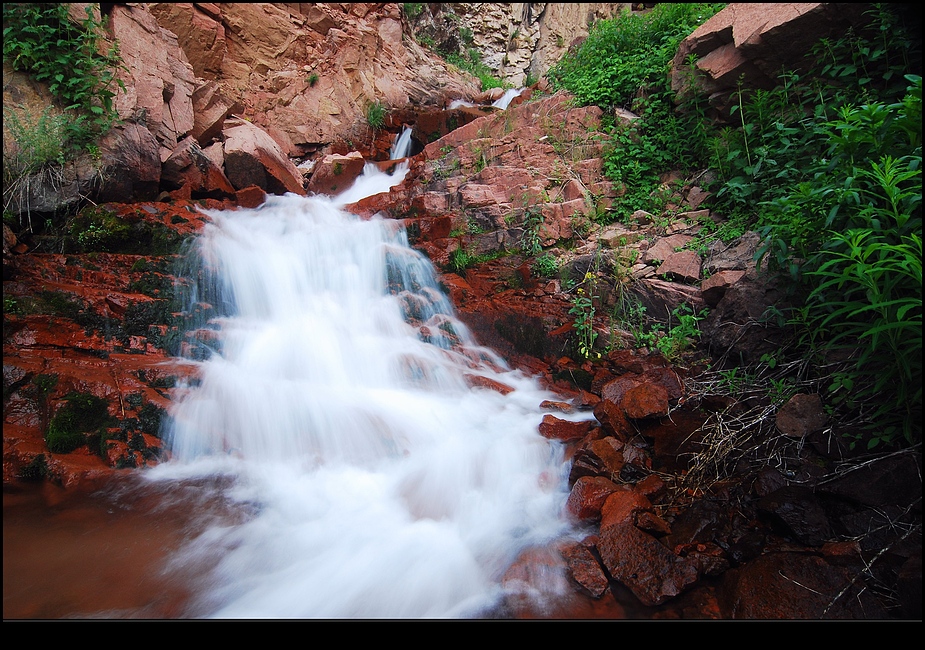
(826, 166)
(682, 336)
(865, 280)
(545, 266)
(530, 242)
(375, 114)
(460, 260)
(472, 63)
(36, 470)
(412, 9)
(583, 309)
(150, 419)
(41, 39)
(34, 141)
(627, 53)
(624, 62)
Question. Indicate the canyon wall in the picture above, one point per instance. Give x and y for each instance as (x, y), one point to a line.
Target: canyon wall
(516, 40)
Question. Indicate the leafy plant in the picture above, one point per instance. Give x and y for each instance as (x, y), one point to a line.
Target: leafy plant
(460, 260)
(471, 62)
(583, 310)
(545, 266)
(375, 114)
(851, 238)
(412, 9)
(624, 63)
(530, 241)
(36, 470)
(680, 337)
(41, 39)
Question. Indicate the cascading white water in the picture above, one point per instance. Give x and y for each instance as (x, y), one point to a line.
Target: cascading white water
(505, 100)
(502, 102)
(402, 145)
(333, 389)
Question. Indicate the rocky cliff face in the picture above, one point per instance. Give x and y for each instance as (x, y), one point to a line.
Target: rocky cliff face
(307, 72)
(516, 40)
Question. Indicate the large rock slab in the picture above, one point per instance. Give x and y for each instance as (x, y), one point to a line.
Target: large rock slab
(200, 34)
(190, 169)
(753, 42)
(637, 559)
(335, 173)
(131, 164)
(158, 78)
(252, 157)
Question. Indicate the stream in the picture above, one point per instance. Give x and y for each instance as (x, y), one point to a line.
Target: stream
(338, 455)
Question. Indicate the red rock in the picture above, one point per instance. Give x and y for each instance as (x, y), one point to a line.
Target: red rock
(132, 164)
(638, 560)
(250, 197)
(588, 496)
(536, 570)
(681, 266)
(480, 381)
(804, 587)
(801, 416)
(211, 109)
(599, 457)
(645, 401)
(199, 32)
(474, 195)
(584, 569)
(650, 486)
(158, 72)
(431, 204)
(753, 42)
(714, 287)
(563, 407)
(557, 429)
(665, 246)
(613, 419)
(252, 157)
(652, 523)
(189, 168)
(335, 173)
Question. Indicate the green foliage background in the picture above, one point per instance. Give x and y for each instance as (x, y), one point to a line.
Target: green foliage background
(41, 39)
(826, 166)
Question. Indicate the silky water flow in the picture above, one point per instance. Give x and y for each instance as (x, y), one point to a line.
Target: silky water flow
(332, 395)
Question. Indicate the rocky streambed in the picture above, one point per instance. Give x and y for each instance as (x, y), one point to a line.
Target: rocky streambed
(697, 498)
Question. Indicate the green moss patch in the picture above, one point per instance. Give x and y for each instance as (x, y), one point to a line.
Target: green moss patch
(83, 413)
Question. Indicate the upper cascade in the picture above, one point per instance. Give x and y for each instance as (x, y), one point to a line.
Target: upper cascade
(402, 145)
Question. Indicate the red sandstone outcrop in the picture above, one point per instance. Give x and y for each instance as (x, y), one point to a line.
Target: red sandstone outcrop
(252, 157)
(307, 72)
(754, 42)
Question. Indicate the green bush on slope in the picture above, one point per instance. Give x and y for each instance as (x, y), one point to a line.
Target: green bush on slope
(826, 166)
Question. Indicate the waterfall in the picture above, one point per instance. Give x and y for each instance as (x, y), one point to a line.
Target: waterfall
(402, 145)
(334, 395)
(502, 102)
(508, 96)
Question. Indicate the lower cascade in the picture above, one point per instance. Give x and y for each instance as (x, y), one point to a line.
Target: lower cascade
(334, 394)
